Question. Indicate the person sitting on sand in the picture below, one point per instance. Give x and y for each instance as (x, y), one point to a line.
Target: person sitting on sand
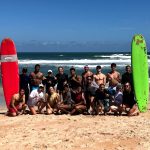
(66, 103)
(102, 99)
(80, 102)
(99, 77)
(17, 104)
(116, 105)
(35, 98)
(52, 99)
(36, 78)
(129, 103)
(90, 95)
(113, 77)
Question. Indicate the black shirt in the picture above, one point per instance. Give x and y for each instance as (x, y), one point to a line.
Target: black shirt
(24, 81)
(128, 98)
(61, 78)
(101, 95)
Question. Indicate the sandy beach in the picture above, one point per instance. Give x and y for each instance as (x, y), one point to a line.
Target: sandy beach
(75, 132)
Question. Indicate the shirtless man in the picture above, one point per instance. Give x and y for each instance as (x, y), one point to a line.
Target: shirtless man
(17, 104)
(99, 77)
(86, 74)
(113, 77)
(36, 78)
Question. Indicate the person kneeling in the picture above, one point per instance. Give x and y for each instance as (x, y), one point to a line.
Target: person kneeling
(17, 104)
(116, 105)
(35, 97)
(52, 100)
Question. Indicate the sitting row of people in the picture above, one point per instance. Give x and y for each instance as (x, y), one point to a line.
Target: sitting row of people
(91, 101)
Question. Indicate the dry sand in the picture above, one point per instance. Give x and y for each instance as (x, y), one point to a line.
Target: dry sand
(75, 132)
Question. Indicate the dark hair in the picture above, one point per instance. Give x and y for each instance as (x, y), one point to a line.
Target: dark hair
(60, 67)
(128, 66)
(72, 68)
(24, 70)
(113, 65)
(98, 67)
(21, 90)
(37, 65)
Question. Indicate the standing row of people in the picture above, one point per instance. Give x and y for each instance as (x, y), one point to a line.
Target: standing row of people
(75, 94)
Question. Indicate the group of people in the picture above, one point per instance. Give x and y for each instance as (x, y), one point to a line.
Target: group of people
(75, 94)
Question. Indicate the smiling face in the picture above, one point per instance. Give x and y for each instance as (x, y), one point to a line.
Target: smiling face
(51, 89)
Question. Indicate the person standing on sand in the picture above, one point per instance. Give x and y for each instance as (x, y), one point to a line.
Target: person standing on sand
(24, 83)
(35, 98)
(74, 79)
(99, 77)
(127, 76)
(113, 77)
(17, 104)
(62, 78)
(36, 78)
(50, 80)
(85, 74)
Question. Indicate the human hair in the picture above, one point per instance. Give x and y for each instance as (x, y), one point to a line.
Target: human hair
(98, 67)
(37, 65)
(24, 70)
(113, 65)
(60, 67)
(72, 68)
(128, 66)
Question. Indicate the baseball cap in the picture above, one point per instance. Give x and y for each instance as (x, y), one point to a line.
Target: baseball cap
(41, 85)
(49, 71)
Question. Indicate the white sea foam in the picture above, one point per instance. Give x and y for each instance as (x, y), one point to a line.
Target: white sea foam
(120, 56)
(76, 61)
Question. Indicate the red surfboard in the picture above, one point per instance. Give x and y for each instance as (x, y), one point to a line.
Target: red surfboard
(9, 69)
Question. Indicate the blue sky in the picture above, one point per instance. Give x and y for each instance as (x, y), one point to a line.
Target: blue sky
(74, 25)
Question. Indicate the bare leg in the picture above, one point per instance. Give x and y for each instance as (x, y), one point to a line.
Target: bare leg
(33, 111)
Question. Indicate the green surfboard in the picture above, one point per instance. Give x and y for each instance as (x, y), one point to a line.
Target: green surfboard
(139, 63)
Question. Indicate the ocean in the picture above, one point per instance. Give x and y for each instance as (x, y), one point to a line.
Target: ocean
(52, 60)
